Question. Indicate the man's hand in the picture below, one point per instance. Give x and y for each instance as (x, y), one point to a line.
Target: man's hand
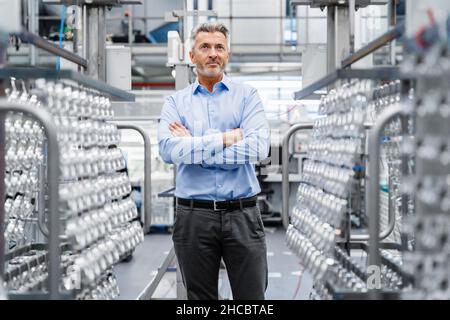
(178, 130)
(231, 137)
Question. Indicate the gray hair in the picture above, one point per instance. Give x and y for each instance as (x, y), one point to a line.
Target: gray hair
(210, 27)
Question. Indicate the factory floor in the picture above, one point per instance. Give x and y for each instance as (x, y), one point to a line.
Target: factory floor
(286, 280)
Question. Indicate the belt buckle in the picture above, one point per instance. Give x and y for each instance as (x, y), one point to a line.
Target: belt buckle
(215, 206)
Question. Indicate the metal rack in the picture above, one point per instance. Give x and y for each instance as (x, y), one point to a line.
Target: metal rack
(53, 177)
(379, 73)
(428, 259)
(78, 78)
(374, 236)
(345, 294)
(356, 241)
(285, 164)
(374, 182)
(112, 237)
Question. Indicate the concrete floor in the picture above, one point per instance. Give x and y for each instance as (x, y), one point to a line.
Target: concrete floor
(285, 279)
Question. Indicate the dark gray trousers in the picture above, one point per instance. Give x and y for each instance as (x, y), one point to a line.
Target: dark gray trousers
(203, 237)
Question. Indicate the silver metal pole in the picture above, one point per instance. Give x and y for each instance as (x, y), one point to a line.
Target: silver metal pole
(146, 29)
(185, 34)
(92, 47)
(342, 32)
(3, 46)
(2, 196)
(375, 44)
(130, 26)
(85, 32)
(182, 71)
(54, 268)
(391, 214)
(231, 23)
(351, 14)
(404, 170)
(43, 44)
(281, 26)
(285, 170)
(331, 38)
(32, 27)
(147, 173)
(392, 14)
(384, 234)
(101, 44)
(374, 186)
(202, 5)
(41, 203)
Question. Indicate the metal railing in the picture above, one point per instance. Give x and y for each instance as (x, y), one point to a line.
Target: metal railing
(286, 189)
(147, 172)
(373, 200)
(285, 169)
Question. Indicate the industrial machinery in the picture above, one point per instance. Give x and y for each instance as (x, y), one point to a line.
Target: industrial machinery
(378, 153)
(66, 212)
(91, 203)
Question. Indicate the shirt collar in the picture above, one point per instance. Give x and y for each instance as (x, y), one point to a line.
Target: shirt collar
(225, 83)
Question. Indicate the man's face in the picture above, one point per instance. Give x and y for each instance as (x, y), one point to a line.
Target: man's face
(210, 53)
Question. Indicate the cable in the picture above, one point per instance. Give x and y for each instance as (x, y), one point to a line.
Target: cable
(299, 281)
(61, 31)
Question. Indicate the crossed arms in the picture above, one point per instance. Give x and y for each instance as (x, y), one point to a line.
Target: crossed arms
(226, 150)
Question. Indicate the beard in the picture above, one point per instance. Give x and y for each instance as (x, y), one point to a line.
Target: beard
(205, 71)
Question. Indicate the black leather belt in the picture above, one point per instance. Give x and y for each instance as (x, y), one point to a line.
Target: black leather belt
(218, 205)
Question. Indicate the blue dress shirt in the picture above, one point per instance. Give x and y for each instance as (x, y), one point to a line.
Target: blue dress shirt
(205, 169)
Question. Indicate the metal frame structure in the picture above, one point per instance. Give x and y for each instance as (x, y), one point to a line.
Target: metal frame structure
(373, 186)
(34, 73)
(373, 196)
(94, 27)
(54, 268)
(285, 169)
(41, 204)
(384, 73)
(381, 73)
(286, 188)
(147, 172)
(285, 174)
(340, 26)
(43, 44)
(150, 289)
(385, 38)
(373, 209)
(346, 294)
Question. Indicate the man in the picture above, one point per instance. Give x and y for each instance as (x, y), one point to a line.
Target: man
(215, 130)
